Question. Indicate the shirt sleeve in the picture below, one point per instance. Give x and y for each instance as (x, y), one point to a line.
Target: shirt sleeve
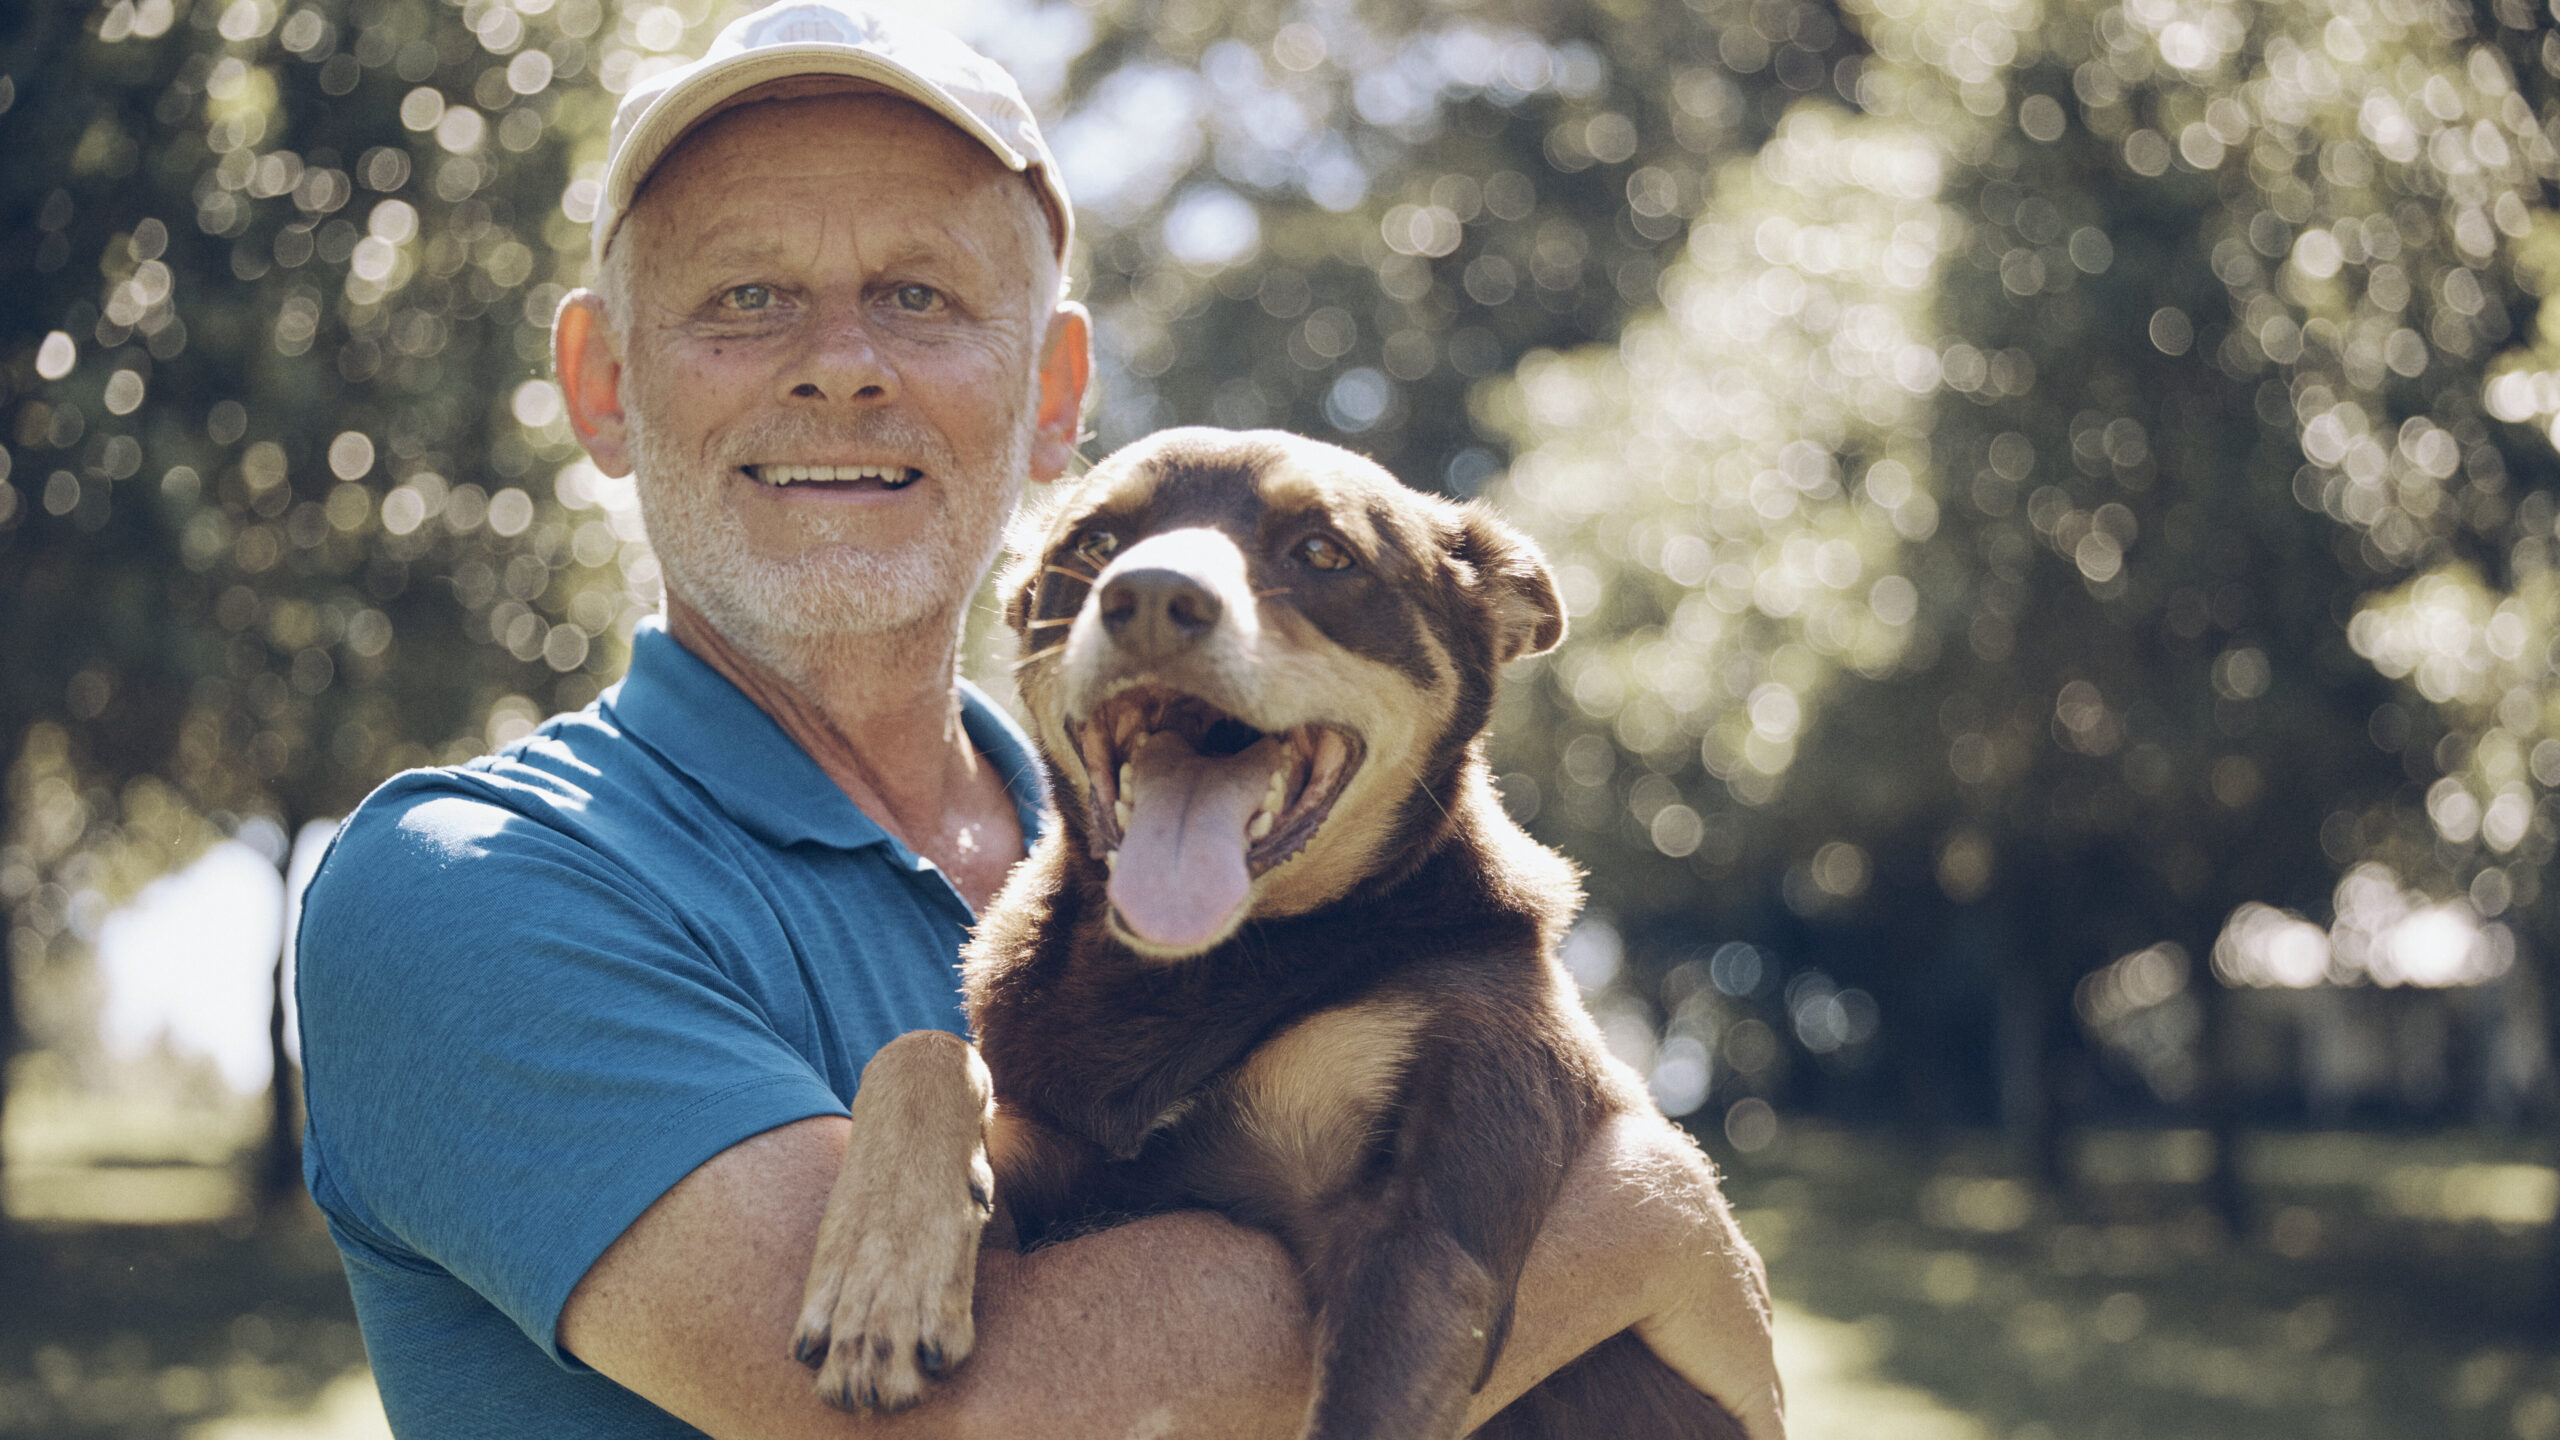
(511, 1048)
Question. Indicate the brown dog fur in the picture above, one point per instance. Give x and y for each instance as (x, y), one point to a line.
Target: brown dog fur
(1376, 1056)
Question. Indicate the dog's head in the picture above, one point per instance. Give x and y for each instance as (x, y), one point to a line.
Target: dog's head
(1258, 666)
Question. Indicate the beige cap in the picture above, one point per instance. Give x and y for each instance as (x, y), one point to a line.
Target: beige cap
(822, 39)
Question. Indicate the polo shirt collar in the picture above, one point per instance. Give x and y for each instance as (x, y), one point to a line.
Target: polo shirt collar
(676, 704)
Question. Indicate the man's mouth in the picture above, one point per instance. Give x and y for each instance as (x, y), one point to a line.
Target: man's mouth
(1191, 804)
(849, 477)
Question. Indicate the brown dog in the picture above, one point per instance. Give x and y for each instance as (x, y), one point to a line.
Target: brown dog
(1283, 955)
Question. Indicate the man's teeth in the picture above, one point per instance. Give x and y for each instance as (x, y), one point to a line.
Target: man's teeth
(893, 476)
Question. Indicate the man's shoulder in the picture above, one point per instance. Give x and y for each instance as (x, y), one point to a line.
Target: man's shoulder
(578, 791)
(576, 773)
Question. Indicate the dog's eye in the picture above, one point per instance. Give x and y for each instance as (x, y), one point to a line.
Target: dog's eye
(1097, 548)
(1324, 552)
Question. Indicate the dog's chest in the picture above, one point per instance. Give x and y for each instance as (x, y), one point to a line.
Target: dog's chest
(1291, 1124)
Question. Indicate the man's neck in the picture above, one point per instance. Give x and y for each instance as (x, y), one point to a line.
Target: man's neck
(879, 713)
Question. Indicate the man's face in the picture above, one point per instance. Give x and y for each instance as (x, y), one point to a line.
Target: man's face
(837, 313)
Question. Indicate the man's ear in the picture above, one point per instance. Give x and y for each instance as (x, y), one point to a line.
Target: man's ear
(1505, 568)
(1066, 370)
(582, 350)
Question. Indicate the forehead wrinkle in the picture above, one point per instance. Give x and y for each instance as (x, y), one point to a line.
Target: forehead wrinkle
(734, 238)
(977, 206)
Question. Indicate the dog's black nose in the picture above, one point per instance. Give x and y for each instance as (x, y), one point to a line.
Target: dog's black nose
(1154, 612)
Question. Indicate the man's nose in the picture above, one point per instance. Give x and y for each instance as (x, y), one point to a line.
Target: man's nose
(842, 361)
(1156, 613)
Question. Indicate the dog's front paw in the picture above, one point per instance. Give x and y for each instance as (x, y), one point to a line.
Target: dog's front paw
(893, 1318)
(886, 1311)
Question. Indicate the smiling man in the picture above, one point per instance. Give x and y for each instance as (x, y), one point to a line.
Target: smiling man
(581, 1018)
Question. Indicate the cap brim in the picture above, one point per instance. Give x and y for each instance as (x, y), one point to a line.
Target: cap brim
(697, 97)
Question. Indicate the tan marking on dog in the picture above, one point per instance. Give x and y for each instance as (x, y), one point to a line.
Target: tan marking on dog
(887, 1299)
(1298, 482)
(1133, 482)
(1311, 1098)
(1398, 721)
(1266, 664)
(1274, 669)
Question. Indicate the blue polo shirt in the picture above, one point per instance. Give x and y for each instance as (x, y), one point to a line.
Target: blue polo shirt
(539, 989)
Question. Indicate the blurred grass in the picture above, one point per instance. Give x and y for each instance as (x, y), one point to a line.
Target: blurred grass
(163, 1151)
(2389, 1289)
(140, 1297)
(147, 1331)
(1924, 1294)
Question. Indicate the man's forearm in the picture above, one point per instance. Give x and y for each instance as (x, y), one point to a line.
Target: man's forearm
(1180, 1324)
(1183, 1319)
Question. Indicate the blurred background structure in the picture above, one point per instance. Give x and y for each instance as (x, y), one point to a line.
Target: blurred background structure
(2058, 502)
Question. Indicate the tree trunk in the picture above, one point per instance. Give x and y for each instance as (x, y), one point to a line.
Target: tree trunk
(280, 1158)
(2537, 931)
(10, 739)
(279, 1176)
(2219, 1099)
(2022, 1081)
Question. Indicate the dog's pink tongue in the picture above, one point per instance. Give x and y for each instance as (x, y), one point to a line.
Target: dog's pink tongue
(1181, 874)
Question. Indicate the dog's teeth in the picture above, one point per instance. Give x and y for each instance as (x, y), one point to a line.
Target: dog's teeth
(1128, 779)
(1111, 861)
(1121, 812)
(1330, 753)
(1261, 827)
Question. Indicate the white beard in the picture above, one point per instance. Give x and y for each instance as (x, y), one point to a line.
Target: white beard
(785, 612)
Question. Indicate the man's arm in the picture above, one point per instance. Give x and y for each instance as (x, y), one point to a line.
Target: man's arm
(1179, 1324)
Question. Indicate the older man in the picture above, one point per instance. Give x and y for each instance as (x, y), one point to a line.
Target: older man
(580, 1018)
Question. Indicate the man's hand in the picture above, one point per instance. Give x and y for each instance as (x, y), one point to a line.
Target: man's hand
(1641, 1236)
(1714, 1327)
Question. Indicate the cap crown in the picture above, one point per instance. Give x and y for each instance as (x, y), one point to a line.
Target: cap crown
(823, 38)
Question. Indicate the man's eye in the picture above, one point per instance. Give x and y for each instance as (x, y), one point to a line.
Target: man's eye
(750, 297)
(917, 299)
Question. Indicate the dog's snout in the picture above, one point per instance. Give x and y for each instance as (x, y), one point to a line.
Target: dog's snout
(1157, 611)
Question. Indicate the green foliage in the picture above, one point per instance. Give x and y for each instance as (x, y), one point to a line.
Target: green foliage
(1339, 219)
(281, 515)
(1977, 527)
(2002, 456)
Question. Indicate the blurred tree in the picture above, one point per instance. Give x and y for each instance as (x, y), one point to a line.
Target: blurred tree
(2010, 416)
(1954, 517)
(1339, 218)
(278, 514)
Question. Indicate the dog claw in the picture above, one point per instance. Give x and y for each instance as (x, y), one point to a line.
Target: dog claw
(881, 1359)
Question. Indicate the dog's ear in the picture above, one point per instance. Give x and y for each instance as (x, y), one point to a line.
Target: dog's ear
(1507, 573)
